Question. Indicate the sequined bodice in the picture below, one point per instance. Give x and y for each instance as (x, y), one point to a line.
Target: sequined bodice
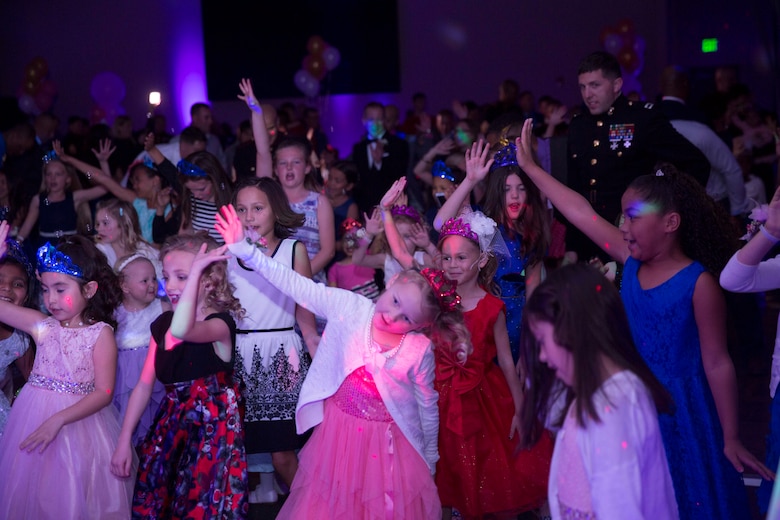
(65, 354)
(358, 396)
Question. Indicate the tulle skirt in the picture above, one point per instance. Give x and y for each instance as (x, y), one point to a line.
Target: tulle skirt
(72, 477)
(129, 364)
(360, 469)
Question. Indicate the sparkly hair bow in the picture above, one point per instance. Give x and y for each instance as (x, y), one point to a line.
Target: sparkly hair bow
(50, 156)
(443, 288)
(50, 260)
(442, 171)
(406, 211)
(350, 225)
(506, 156)
(190, 170)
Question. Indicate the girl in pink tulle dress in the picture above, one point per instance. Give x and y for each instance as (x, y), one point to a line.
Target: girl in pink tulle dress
(369, 392)
(56, 449)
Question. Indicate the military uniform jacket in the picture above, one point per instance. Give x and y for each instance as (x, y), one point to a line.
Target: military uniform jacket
(607, 151)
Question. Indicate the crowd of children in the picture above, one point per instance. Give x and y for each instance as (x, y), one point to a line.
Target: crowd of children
(222, 339)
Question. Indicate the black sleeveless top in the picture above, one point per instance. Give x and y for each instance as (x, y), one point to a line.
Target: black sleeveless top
(188, 360)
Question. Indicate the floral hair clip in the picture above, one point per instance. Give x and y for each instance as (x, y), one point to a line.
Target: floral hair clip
(506, 156)
(406, 211)
(444, 289)
(480, 228)
(442, 171)
(190, 170)
(50, 260)
(50, 156)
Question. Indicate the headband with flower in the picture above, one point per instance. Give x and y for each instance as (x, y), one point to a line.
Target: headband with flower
(478, 227)
(442, 171)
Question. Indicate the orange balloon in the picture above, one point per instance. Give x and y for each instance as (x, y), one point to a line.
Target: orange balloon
(40, 65)
(316, 45)
(315, 66)
(628, 59)
(625, 26)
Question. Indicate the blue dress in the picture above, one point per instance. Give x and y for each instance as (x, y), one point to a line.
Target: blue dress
(664, 328)
(510, 278)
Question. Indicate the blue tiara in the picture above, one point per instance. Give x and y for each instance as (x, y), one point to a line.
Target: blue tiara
(149, 163)
(50, 260)
(506, 156)
(442, 171)
(50, 156)
(190, 170)
(14, 252)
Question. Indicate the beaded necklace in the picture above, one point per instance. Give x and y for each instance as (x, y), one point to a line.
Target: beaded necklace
(373, 346)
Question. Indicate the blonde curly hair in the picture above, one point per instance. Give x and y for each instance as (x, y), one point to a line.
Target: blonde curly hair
(214, 280)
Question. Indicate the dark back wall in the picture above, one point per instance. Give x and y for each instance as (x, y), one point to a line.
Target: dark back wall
(448, 49)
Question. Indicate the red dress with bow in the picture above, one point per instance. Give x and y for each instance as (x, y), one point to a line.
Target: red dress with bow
(480, 470)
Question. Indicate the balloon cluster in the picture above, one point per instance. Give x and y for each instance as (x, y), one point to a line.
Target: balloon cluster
(322, 58)
(37, 91)
(108, 91)
(629, 49)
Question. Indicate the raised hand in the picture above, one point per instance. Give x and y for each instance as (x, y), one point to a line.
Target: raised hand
(57, 147)
(478, 161)
(228, 225)
(374, 224)
(205, 258)
(444, 147)
(149, 141)
(391, 197)
(104, 151)
(525, 154)
(248, 96)
(419, 236)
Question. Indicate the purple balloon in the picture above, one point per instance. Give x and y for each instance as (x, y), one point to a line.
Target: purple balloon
(613, 43)
(640, 46)
(113, 111)
(332, 57)
(27, 105)
(306, 83)
(312, 89)
(107, 89)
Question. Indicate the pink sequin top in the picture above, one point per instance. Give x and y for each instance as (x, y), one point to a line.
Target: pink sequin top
(358, 396)
(573, 485)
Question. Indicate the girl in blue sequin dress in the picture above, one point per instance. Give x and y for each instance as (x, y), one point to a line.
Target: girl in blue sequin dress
(671, 239)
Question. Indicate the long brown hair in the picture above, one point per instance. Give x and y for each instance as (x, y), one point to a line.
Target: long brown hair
(588, 320)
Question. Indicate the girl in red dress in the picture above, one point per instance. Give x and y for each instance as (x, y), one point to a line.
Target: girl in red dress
(481, 470)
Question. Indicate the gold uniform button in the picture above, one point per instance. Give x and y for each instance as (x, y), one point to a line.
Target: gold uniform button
(611, 111)
(599, 123)
(574, 156)
(593, 182)
(593, 162)
(620, 154)
(596, 142)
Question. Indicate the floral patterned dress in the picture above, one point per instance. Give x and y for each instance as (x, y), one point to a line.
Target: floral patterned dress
(193, 462)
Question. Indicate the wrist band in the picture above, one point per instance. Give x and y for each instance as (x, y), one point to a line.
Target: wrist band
(769, 236)
(254, 106)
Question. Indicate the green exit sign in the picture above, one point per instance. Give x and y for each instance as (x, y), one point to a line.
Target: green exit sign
(709, 45)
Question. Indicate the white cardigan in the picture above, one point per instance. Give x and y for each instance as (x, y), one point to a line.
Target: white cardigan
(405, 381)
(742, 278)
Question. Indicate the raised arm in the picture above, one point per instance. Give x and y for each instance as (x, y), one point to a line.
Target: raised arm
(394, 240)
(360, 255)
(424, 166)
(571, 204)
(318, 298)
(264, 161)
(184, 324)
(478, 163)
(104, 178)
